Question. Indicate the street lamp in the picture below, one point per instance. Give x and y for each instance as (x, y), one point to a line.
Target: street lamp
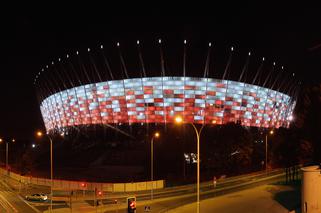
(179, 120)
(7, 152)
(1, 140)
(156, 135)
(40, 134)
(266, 139)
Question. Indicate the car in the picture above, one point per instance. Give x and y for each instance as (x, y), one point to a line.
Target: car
(37, 197)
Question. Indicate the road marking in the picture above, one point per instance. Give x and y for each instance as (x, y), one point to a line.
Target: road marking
(34, 208)
(10, 190)
(3, 205)
(11, 206)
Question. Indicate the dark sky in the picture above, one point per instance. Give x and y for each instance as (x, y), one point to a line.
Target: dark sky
(33, 39)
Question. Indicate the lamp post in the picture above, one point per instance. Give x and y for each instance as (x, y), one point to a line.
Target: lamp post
(7, 152)
(179, 120)
(156, 135)
(1, 140)
(266, 148)
(40, 134)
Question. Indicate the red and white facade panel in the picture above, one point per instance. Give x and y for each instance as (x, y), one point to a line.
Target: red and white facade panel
(160, 99)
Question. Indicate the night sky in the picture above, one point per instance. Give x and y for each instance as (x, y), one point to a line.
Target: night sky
(33, 39)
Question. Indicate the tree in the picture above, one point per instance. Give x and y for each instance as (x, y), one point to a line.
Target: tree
(234, 148)
(308, 122)
(27, 162)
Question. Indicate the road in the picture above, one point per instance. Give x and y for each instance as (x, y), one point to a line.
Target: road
(173, 197)
(276, 198)
(173, 201)
(11, 201)
(164, 199)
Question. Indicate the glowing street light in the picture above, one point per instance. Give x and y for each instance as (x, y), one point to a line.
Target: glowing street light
(7, 152)
(12, 140)
(179, 120)
(271, 132)
(156, 135)
(40, 134)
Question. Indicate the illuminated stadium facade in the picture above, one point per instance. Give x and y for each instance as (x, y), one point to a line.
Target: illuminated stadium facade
(68, 99)
(160, 99)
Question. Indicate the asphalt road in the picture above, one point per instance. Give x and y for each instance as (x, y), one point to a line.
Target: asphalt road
(170, 198)
(11, 201)
(164, 199)
(187, 198)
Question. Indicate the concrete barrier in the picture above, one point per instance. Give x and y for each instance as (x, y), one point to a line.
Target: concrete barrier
(119, 187)
(160, 184)
(130, 187)
(107, 187)
(141, 186)
(78, 185)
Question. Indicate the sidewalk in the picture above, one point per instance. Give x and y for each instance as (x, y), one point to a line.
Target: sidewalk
(261, 199)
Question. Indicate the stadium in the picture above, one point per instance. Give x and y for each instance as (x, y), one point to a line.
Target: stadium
(160, 99)
(115, 101)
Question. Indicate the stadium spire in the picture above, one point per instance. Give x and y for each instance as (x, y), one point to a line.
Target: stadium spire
(258, 71)
(161, 57)
(226, 71)
(245, 68)
(207, 63)
(123, 66)
(143, 73)
(106, 63)
(184, 59)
